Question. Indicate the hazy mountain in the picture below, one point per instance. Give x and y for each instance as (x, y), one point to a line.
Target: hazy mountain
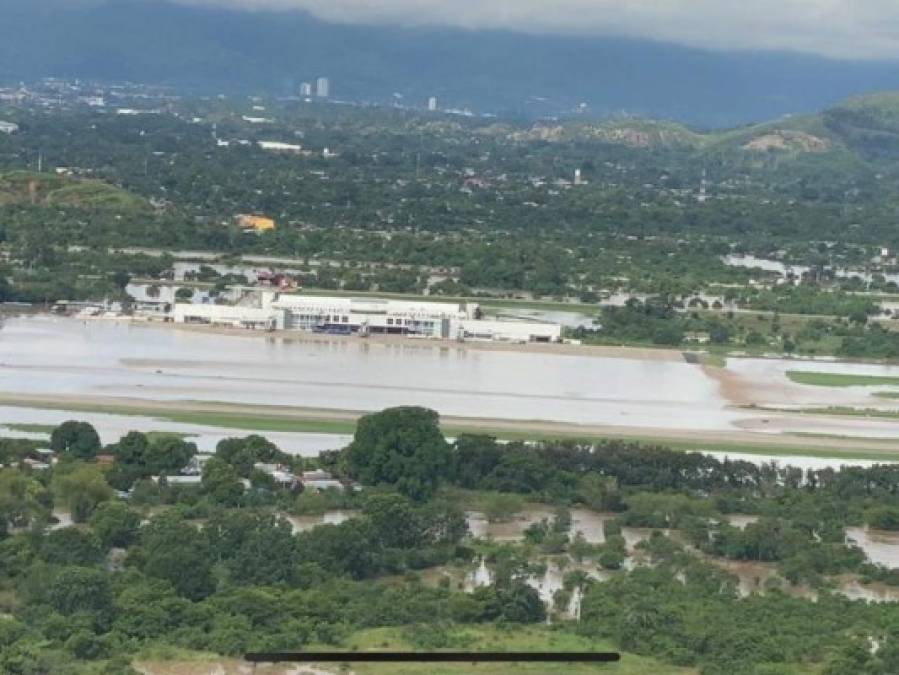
(220, 50)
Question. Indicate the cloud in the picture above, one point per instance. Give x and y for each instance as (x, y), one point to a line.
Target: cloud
(854, 29)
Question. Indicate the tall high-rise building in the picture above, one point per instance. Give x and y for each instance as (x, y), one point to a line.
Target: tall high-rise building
(432, 103)
(305, 89)
(322, 87)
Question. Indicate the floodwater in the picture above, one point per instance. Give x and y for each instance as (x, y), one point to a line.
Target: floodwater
(112, 427)
(881, 546)
(799, 461)
(546, 584)
(47, 355)
(769, 385)
(855, 590)
(306, 523)
(511, 529)
(741, 520)
(51, 355)
(783, 269)
(589, 523)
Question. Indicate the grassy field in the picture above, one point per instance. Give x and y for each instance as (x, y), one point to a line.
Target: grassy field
(30, 428)
(839, 379)
(260, 423)
(492, 638)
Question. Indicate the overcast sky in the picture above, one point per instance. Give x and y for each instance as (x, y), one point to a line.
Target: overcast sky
(839, 28)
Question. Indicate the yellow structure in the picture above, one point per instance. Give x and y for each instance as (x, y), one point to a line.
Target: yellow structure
(257, 223)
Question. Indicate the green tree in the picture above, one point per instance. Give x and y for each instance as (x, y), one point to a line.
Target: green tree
(115, 524)
(168, 455)
(81, 489)
(255, 548)
(883, 517)
(22, 498)
(82, 589)
(221, 482)
(71, 546)
(394, 520)
(78, 439)
(243, 453)
(402, 447)
(173, 551)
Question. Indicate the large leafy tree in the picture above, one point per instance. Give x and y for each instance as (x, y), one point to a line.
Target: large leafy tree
(138, 457)
(402, 447)
(71, 546)
(78, 439)
(221, 482)
(82, 589)
(243, 453)
(255, 548)
(115, 524)
(173, 551)
(168, 455)
(81, 490)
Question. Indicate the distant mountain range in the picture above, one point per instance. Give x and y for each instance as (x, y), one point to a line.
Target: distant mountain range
(216, 50)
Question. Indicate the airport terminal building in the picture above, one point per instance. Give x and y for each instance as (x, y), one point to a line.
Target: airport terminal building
(364, 316)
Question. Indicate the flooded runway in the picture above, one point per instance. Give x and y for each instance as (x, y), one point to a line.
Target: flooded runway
(66, 356)
(74, 359)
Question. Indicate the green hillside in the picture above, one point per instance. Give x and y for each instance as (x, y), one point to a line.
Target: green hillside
(865, 125)
(42, 189)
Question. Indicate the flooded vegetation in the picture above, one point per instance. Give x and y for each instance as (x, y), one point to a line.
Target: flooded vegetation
(880, 546)
(306, 523)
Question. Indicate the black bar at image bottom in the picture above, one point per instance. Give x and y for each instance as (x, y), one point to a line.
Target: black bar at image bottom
(432, 657)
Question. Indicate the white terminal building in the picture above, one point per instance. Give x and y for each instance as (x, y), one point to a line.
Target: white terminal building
(346, 316)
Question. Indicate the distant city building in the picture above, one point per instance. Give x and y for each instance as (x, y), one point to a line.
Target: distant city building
(322, 87)
(432, 103)
(578, 179)
(93, 101)
(8, 127)
(305, 89)
(278, 146)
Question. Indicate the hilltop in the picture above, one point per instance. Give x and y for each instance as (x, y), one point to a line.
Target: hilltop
(44, 189)
(865, 126)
